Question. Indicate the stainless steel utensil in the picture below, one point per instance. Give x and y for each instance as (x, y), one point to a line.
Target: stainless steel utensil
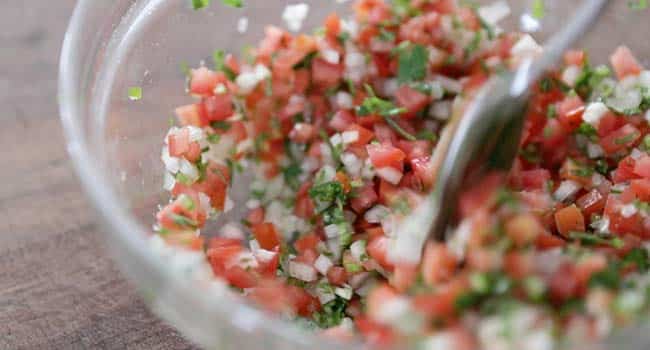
(484, 139)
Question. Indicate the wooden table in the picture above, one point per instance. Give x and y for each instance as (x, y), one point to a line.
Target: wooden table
(58, 288)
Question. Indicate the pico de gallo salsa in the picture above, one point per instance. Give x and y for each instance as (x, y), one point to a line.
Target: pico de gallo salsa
(335, 131)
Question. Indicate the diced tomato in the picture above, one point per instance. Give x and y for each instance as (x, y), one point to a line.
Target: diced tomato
(255, 216)
(378, 250)
(642, 166)
(586, 268)
(609, 123)
(239, 277)
(562, 284)
(625, 170)
(548, 241)
(303, 303)
(569, 219)
(641, 189)
(364, 198)
(441, 304)
(341, 120)
(621, 224)
(365, 135)
(332, 25)
(575, 57)
(570, 112)
(337, 275)
(386, 156)
(302, 133)
(592, 202)
(413, 100)
(306, 242)
(203, 81)
(438, 263)
(385, 134)
(519, 264)
(326, 74)
(375, 333)
(269, 268)
(534, 179)
(404, 276)
(266, 235)
(189, 115)
(478, 195)
(620, 139)
(523, 229)
(424, 170)
(624, 62)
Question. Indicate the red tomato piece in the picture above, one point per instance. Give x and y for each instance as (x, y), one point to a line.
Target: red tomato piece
(364, 198)
(624, 62)
(203, 81)
(641, 188)
(365, 135)
(326, 74)
(569, 219)
(384, 155)
(266, 234)
(620, 139)
(642, 167)
(341, 120)
(570, 112)
(413, 100)
(438, 263)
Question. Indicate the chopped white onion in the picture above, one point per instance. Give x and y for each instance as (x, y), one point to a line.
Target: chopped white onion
(264, 255)
(624, 99)
(336, 139)
(172, 164)
(375, 214)
(294, 16)
(494, 12)
(566, 189)
(594, 113)
(331, 56)
(344, 292)
(571, 74)
(232, 230)
(441, 110)
(629, 210)
(188, 169)
(323, 264)
(168, 181)
(204, 202)
(349, 137)
(594, 150)
(302, 271)
(436, 56)
(332, 230)
(526, 47)
(242, 25)
(358, 250)
(390, 174)
(449, 84)
(352, 164)
(344, 100)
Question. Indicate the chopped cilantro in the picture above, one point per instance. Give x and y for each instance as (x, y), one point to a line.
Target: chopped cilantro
(306, 61)
(507, 198)
(639, 258)
(412, 62)
(588, 131)
(623, 140)
(331, 314)
(546, 84)
(583, 172)
(327, 192)
(135, 93)
(291, 174)
(182, 178)
(531, 153)
(551, 112)
(219, 59)
(638, 5)
(386, 35)
(199, 4)
(352, 267)
(385, 109)
(183, 221)
(221, 125)
(589, 239)
(186, 202)
(214, 138)
(474, 44)
(608, 278)
(602, 166)
(539, 9)
(233, 3)
(427, 135)
(645, 144)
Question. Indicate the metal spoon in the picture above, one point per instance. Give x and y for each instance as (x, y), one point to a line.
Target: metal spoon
(485, 139)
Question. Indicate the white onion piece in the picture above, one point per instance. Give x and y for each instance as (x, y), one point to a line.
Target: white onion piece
(323, 264)
(389, 174)
(302, 271)
(566, 189)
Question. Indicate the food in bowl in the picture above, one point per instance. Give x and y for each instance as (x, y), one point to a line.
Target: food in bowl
(336, 130)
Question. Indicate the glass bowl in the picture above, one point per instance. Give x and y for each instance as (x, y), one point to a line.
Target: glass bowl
(115, 143)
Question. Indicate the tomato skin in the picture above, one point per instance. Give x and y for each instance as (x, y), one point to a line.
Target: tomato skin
(592, 202)
(326, 74)
(575, 57)
(365, 198)
(332, 25)
(642, 167)
(337, 275)
(641, 188)
(341, 120)
(378, 250)
(523, 229)
(624, 63)
(365, 135)
(625, 170)
(386, 156)
(534, 179)
(569, 219)
(413, 100)
(518, 265)
(216, 108)
(404, 276)
(266, 234)
(203, 81)
(570, 112)
(438, 263)
(620, 139)
(375, 333)
(189, 115)
(240, 278)
(562, 284)
(620, 224)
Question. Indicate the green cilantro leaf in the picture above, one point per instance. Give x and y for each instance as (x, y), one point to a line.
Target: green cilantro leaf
(539, 9)
(199, 4)
(412, 62)
(638, 5)
(233, 3)
(135, 93)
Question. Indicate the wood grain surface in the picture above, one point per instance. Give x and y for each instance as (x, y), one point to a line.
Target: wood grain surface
(58, 287)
